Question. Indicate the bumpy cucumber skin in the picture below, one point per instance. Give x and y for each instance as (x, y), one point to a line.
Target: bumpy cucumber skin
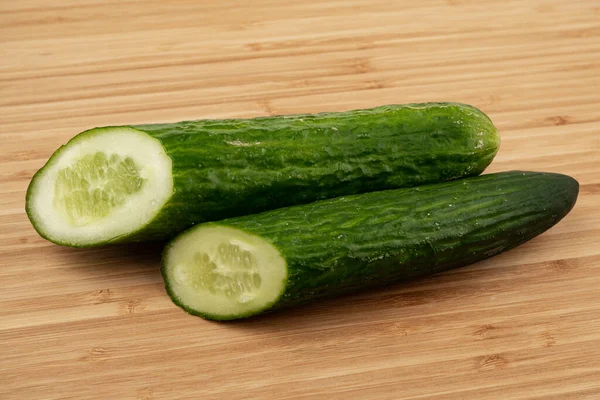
(350, 243)
(228, 168)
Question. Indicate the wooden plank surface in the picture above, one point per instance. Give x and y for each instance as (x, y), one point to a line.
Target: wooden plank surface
(97, 324)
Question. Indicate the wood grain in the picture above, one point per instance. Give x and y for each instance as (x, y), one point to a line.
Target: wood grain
(97, 324)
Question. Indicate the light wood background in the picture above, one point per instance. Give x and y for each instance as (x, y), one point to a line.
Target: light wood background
(97, 324)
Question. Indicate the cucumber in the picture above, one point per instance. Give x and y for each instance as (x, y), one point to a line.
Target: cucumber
(149, 182)
(244, 266)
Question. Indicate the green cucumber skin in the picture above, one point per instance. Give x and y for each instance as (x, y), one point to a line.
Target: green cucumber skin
(228, 168)
(347, 244)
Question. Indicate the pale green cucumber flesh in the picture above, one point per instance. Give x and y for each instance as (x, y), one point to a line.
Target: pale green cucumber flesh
(94, 186)
(105, 184)
(224, 273)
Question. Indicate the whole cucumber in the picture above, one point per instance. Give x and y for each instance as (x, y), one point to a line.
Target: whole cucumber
(243, 266)
(147, 182)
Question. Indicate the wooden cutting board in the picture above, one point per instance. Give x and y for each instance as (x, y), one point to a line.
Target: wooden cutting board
(97, 324)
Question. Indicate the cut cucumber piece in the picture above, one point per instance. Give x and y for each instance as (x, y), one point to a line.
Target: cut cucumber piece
(149, 182)
(243, 266)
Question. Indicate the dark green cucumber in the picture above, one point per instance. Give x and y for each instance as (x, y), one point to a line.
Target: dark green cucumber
(147, 182)
(243, 266)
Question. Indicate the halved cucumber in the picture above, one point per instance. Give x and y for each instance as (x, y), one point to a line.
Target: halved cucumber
(106, 183)
(243, 266)
(149, 182)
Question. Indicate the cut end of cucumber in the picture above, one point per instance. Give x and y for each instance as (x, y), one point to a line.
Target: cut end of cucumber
(95, 185)
(104, 184)
(223, 273)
